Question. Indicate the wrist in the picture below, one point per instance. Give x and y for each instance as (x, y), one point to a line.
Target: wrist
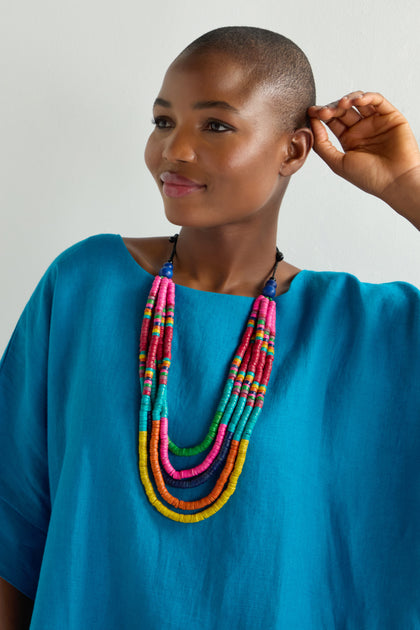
(403, 195)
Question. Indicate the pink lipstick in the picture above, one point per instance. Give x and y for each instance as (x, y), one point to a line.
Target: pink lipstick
(178, 186)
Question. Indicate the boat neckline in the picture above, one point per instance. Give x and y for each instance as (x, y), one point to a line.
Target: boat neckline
(295, 281)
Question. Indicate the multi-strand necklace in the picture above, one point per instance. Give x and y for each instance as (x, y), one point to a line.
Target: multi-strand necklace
(238, 410)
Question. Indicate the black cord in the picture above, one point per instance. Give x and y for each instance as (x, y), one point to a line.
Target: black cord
(279, 258)
(173, 239)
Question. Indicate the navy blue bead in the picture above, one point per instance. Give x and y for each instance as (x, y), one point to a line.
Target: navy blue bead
(270, 288)
(167, 270)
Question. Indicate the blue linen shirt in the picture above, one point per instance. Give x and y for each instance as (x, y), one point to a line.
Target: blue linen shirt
(323, 531)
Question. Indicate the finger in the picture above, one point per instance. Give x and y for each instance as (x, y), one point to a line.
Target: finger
(325, 112)
(340, 124)
(336, 126)
(354, 101)
(349, 117)
(340, 106)
(366, 110)
(324, 147)
(345, 112)
(359, 102)
(352, 95)
(374, 100)
(350, 108)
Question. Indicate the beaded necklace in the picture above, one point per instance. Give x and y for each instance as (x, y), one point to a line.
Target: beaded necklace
(238, 410)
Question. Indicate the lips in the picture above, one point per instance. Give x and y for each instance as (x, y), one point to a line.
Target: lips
(175, 185)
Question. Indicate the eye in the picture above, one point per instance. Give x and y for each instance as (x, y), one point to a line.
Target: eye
(218, 127)
(161, 122)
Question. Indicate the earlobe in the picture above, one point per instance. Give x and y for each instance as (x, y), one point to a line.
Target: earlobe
(300, 144)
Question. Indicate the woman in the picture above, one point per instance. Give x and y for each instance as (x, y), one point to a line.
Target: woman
(318, 528)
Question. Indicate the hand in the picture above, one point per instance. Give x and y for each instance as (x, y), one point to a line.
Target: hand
(380, 154)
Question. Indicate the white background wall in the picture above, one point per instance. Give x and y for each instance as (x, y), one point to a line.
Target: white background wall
(77, 80)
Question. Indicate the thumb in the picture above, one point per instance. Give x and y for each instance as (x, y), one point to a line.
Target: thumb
(324, 147)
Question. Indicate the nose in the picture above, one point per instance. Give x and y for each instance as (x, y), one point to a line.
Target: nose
(179, 146)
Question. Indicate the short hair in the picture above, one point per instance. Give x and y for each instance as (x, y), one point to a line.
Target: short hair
(273, 60)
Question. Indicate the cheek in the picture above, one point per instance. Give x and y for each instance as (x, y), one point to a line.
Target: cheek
(255, 152)
(250, 165)
(151, 154)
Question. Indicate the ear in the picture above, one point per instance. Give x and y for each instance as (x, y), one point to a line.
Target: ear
(300, 143)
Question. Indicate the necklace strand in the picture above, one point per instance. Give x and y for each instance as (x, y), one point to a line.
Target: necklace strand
(236, 415)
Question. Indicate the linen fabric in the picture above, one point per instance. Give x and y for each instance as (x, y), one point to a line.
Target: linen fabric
(323, 529)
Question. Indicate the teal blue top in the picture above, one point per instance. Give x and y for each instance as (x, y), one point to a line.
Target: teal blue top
(323, 532)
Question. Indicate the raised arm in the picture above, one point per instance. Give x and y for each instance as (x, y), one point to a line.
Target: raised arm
(15, 608)
(379, 151)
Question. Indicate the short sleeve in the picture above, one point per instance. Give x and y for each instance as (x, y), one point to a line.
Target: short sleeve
(24, 485)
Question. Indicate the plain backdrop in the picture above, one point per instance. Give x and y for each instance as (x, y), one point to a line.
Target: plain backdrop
(77, 82)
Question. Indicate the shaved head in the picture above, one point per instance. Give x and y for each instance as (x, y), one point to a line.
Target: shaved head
(273, 62)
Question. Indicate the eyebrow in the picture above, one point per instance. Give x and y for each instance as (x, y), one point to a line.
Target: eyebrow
(201, 105)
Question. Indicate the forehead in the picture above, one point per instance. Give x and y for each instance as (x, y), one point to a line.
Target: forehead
(212, 77)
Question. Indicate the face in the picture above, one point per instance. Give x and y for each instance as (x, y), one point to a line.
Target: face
(216, 149)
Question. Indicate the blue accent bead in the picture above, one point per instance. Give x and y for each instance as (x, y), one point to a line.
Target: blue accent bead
(167, 270)
(270, 288)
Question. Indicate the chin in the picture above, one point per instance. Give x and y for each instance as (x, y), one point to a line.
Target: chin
(196, 216)
(183, 221)
(185, 217)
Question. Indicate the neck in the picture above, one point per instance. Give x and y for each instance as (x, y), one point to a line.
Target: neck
(225, 260)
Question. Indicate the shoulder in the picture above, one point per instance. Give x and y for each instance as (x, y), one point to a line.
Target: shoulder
(108, 249)
(93, 249)
(73, 269)
(344, 281)
(340, 281)
(96, 258)
(95, 263)
(347, 296)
